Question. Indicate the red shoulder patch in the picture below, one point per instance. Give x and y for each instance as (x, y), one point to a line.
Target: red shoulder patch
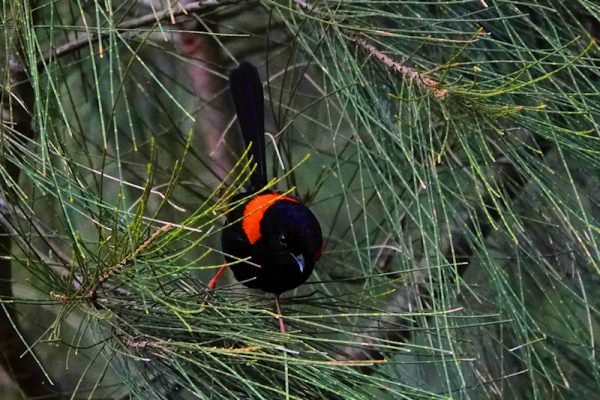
(317, 254)
(255, 210)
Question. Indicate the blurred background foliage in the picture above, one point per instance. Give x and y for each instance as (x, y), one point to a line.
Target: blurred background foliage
(449, 148)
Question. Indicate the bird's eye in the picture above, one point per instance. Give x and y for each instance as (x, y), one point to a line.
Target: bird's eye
(282, 240)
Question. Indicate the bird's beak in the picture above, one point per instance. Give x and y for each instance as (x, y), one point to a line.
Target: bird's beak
(300, 261)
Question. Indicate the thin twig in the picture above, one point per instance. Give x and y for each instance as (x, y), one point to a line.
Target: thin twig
(402, 68)
(144, 20)
(118, 268)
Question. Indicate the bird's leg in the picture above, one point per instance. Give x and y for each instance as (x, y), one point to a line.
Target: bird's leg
(213, 282)
(279, 316)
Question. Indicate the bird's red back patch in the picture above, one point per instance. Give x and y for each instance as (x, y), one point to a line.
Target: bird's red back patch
(255, 210)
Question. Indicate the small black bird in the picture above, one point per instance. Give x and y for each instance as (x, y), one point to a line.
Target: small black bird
(276, 231)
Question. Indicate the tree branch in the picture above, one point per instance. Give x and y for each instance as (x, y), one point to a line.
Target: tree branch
(401, 68)
(144, 20)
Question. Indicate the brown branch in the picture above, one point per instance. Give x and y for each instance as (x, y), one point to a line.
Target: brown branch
(144, 20)
(208, 85)
(118, 268)
(402, 69)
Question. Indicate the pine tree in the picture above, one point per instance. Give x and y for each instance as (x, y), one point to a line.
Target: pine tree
(450, 149)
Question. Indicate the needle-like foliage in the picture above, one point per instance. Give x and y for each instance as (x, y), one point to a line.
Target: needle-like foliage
(451, 150)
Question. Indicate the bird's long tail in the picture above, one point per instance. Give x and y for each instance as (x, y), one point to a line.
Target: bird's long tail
(247, 93)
